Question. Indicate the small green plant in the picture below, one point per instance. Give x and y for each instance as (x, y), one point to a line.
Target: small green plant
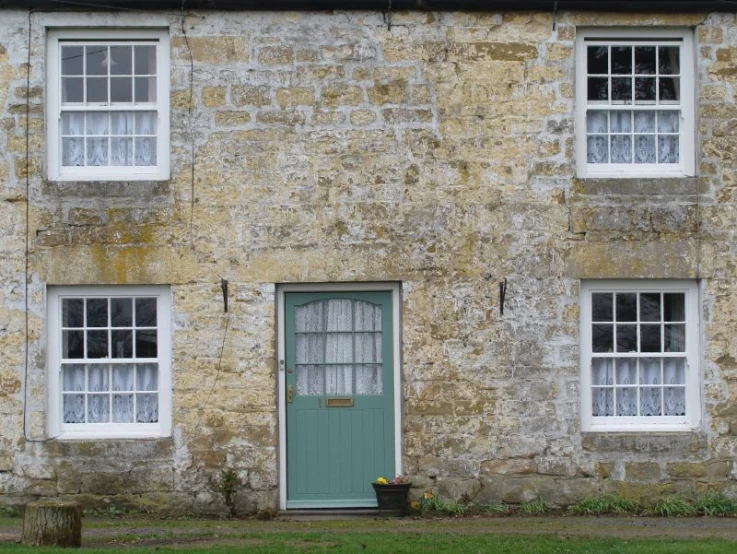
(672, 506)
(713, 504)
(10, 511)
(433, 503)
(536, 508)
(497, 509)
(229, 484)
(607, 504)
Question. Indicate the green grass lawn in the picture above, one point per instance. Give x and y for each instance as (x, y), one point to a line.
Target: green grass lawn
(387, 536)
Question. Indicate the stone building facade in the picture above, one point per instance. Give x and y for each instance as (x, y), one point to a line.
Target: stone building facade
(432, 155)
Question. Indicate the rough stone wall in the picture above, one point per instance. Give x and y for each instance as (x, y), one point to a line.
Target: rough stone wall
(329, 148)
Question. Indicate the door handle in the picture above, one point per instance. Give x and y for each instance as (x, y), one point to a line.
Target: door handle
(290, 394)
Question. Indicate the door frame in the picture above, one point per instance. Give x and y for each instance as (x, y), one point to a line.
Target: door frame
(281, 289)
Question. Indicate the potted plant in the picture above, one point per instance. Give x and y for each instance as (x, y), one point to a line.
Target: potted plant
(391, 494)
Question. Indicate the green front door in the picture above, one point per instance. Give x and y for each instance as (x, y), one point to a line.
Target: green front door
(340, 396)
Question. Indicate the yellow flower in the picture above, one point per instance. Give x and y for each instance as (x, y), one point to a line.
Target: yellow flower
(382, 481)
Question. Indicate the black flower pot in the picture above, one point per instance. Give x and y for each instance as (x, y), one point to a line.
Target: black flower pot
(392, 498)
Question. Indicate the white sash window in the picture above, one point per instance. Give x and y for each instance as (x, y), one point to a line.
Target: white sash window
(634, 103)
(639, 355)
(109, 361)
(108, 112)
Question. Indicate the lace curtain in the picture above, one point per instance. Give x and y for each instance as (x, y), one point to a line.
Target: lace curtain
(109, 138)
(338, 340)
(92, 395)
(629, 387)
(636, 136)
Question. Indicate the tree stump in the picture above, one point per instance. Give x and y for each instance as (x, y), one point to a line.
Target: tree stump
(51, 523)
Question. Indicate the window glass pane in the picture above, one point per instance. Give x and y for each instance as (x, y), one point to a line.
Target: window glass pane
(621, 149)
(121, 89)
(145, 312)
(622, 90)
(145, 89)
(121, 312)
(650, 338)
(73, 152)
(145, 151)
(626, 372)
(668, 150)
(72, 377)
(145, 60)
(98, 378)
(670, 89)
(121, 60)
(645, 60)
(597, 150)
(97, 90)
(147, 410)
(97, 124)
(598, 89)
(626, 338)
(147, 377)
(602, 371)
(123, 377)
(626, 401)
(122, 344)
(369, 379)
(72, 344)
(71, 60)
(310, 380)
(98, 408)
(146, 346)
(72, 90)
(668, 122)
(675, 401)
(601, 306)
(338, 380)
(72, 124)
(644, 122)
(621, 121)
(626, 306)
(602, 337)
(73, 407)
(650, 371)
(650, 401)
(675, 338)
(650, 306)
(602, 402)
(622, 60)
(123, 408)
(145, 123)
(645, 149)
(597, 122)
(121, 151)
(121, 123)
(674, 371)
(96, 56)
(668, 60)
(97, 346)
(97, 151)
(645, 89)
(597, 58)
(72, 312)
(674, 306)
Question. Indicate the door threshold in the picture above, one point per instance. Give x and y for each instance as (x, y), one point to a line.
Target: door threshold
(325, 514)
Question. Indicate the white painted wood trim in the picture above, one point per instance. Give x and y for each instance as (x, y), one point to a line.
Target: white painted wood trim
(395, 289)
(693, 355)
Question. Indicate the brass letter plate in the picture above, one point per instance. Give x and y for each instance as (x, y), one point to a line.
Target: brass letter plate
(338, 402)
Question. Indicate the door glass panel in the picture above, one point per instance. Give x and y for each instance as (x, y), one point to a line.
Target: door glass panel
(310, 380)
(368, 379)
(339, 380)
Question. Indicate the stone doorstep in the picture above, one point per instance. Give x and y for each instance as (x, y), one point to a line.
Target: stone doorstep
(332, 514)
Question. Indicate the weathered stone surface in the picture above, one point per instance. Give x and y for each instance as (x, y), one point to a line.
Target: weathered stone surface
(327, 148)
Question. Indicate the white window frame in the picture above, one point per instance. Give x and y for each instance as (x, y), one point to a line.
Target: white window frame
(60, 430)
(687, 139)
(686, 423)
(57, 172)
